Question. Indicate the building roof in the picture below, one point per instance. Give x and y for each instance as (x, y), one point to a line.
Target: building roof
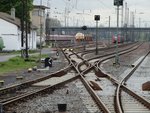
(17, 22)
(41, 7)
(8, 18)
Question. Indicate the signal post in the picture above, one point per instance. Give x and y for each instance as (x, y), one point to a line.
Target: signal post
(117, 3)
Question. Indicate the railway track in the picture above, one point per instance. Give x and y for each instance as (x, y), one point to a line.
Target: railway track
(25, 90)
(145, 105)
(34, 87)
(87, 71)
(80, 60)
(140, 76)
(106, 102)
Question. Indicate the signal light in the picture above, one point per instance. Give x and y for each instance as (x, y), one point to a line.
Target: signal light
(118, 2)
(97, 17)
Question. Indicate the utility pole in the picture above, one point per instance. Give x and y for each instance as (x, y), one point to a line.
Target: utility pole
(122, 9)
(117, 55)
(22, 29)
(109, 31)
(26, 24)
(139, 28)
(40, 33)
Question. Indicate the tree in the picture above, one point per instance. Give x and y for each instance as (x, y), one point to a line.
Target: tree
(51, 22)
(6, 5)
(1, 44)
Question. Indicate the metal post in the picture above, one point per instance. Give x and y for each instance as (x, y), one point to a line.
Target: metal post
(83, 41)
(26, 49)
(109, 32)
(96, 37)
(139, 29)
(117, 56)
(40, 34)
(84, 28)
(122, 16)
(1, 108)
(22, 29)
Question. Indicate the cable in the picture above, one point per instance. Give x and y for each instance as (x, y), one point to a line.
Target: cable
(103, 4)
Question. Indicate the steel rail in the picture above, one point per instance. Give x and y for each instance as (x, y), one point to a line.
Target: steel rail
(118, 109)
(30, 82)
(120, 85)
(91, 91)
(6, 103)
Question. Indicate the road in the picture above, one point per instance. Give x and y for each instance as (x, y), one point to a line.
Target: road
(4, 58)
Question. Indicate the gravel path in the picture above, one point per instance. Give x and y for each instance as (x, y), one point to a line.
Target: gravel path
(69, 94)
(125, 62)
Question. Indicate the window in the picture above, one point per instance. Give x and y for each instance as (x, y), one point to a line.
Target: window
(38, 13)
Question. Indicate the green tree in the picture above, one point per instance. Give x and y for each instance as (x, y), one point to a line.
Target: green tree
(1, 44)
(6, 5)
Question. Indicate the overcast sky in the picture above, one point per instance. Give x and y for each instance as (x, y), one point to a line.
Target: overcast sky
(82, 11)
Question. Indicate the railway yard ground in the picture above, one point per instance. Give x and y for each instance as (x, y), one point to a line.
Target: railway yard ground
(75, 94)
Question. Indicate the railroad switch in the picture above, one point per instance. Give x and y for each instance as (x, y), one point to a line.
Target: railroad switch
(1, 82)
(29, 70)
(19, 77)
(62, 107)
(97, 79)
(132, 65)
(67, 92)
(116, 65)
(34, 68)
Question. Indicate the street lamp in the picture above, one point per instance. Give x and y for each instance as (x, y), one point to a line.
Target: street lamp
(96, 18)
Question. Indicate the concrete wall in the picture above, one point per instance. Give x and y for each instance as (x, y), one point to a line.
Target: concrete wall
(11, 36)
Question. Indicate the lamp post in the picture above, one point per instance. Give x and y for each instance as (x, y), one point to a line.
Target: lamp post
(96, 18)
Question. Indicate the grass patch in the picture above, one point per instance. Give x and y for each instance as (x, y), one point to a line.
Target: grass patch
(18, 63)
(16, 52)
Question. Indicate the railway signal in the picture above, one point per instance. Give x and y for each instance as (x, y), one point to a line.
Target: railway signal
(84, 28)
(96, 18)
(117, 3)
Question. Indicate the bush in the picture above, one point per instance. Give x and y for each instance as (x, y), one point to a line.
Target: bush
(1, 44)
